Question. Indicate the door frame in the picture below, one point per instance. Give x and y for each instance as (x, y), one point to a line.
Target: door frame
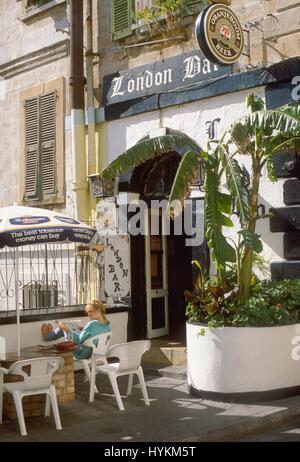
(156, 293)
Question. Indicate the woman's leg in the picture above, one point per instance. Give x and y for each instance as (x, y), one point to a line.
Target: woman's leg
(55, 334)
(49, 335)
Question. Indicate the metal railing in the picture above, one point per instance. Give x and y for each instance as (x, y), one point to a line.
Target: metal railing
(52, 275)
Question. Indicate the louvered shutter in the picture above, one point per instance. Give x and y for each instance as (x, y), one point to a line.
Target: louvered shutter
(48, 143)
(31, 107)
(194, 6)
(122, 13)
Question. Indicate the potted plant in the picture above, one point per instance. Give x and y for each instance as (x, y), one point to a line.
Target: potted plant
(160, 17)
(238, 334)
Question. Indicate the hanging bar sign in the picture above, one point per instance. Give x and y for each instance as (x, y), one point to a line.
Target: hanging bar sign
(219, 34)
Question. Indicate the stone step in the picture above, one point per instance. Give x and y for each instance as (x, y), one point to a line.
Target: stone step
(166, 352)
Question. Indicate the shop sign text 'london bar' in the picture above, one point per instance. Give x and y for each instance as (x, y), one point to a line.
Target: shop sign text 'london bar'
(173, 74)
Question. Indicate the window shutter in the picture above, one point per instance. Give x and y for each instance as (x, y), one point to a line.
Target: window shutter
(48, 143)
(31, 148)
(194, 6)
(122, 13)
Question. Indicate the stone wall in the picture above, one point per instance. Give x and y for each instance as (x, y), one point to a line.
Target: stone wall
(272, 33)
(33, 51)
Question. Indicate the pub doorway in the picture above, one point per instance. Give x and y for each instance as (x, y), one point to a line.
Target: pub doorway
(168, 273)
(161, 268)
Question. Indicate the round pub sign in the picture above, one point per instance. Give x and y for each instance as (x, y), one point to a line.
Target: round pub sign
(219, 34)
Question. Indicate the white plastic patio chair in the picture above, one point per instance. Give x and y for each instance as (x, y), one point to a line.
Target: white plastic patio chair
(37, 374)
(2, 348)
(130, 356)
(100, 344)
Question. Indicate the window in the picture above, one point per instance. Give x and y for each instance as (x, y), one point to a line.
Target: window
(40, 138)
(42, 146)
(36, 9)
(30, 3)
(123, 13)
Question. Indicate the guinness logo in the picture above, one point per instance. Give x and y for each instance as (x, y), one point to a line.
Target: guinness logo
(219, 34)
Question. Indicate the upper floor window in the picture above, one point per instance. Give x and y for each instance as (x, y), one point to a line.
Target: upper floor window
(35, 9)
(30, 3)
(42, 144)
(123, 12)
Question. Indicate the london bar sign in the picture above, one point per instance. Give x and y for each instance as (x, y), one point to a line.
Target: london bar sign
(182, 72)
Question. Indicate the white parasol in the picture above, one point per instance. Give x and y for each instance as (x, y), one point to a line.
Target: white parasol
(21, 226)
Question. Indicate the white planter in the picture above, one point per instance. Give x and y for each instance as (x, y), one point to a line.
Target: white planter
(243, 359)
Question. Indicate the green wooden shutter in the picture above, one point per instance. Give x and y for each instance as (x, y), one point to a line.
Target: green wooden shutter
(48, 144)
(122, 13)
(31, 107)
(194, 6)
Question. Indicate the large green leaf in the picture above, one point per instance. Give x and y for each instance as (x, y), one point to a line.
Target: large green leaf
(215, 219)
(251, 240)
(284, 119)
(243, 138)
(281, 141)
(187, 173)
(255, 103)
(147, 150)
(237, 182)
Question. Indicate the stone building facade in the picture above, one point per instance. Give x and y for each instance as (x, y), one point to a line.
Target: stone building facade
(34, 60)
(35, 46)
(36, 160)
(271, 34)
(141, 95)
(35, 50)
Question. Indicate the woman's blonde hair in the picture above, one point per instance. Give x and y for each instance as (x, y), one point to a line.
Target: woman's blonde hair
(98, 306)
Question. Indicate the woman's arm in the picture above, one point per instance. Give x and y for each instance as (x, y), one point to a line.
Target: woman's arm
(81, 337)
(64, 327)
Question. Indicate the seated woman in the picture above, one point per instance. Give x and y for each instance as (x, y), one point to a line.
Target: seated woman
(98, 324)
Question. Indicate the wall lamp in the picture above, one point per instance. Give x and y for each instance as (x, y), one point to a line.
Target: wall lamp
(100, 187)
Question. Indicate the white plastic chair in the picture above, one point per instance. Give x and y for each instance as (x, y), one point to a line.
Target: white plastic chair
(130, 356)
(37, 374)
(100, 344)
(2, 348)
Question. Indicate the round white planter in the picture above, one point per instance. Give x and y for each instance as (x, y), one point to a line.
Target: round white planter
(230, 360)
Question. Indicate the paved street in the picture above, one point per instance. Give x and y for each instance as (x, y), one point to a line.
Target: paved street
(284, 433)
(173, 416)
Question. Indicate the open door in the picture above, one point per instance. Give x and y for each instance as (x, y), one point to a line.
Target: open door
(156, 278)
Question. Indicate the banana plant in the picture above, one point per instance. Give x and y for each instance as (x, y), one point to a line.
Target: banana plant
(257, 135)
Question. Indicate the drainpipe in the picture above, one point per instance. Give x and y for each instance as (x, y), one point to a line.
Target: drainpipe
(90, 87)
(79, 185)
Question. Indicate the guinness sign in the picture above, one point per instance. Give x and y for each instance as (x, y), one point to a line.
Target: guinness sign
(219, 34)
